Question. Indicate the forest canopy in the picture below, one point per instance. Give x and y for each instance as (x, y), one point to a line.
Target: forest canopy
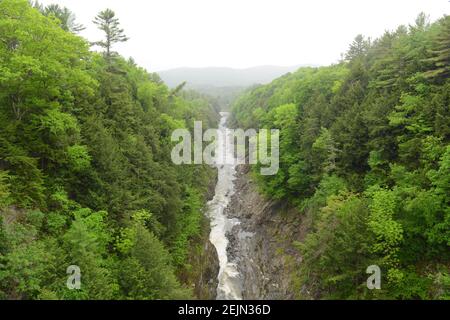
(85, 172)
(86, 177)
(364, 154)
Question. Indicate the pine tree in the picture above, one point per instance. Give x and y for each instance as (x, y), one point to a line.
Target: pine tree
(66, 17)
(358, 47)
(63, 14)
(106, 21)
(441, 54)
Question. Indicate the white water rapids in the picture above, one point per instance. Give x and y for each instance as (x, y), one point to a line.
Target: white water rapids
(229, 287)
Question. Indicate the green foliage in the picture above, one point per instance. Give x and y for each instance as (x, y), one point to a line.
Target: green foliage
(440, 52)
(78, 158)
(4, 189)
(337, 253)
(387, 231)
(364, 156)
(188, 227)
(86, 177)
(86, 242)
(107, 22)
(27, 268)
(146, 271)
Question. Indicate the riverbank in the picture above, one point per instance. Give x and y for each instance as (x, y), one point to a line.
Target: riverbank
(262, 244)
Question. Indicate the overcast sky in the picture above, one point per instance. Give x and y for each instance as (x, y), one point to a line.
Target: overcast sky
(244, 33)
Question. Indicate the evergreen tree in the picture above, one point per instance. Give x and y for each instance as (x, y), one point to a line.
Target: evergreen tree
(441, 51)
(358, 48)
(64, 15)
(107, 22)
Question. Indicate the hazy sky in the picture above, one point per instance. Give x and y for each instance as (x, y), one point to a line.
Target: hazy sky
(243, 33)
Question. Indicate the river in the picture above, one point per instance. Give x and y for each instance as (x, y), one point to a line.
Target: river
(230, 283)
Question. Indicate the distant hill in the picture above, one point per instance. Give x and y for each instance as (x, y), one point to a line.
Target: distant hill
(223, 77)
